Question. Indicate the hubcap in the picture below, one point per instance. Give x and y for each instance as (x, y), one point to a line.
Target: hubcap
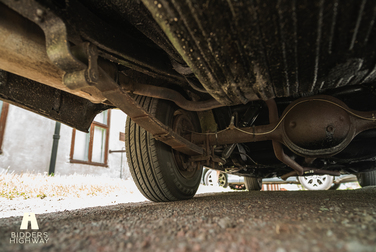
(210, 181)
(222, 179)
(315, 182)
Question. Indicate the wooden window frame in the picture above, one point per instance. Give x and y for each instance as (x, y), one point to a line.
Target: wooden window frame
(90, 151)
(3, 120)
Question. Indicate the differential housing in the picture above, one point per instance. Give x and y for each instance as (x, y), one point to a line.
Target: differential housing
(317, 127)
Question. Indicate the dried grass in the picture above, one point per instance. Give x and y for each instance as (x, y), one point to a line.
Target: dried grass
(28, 185)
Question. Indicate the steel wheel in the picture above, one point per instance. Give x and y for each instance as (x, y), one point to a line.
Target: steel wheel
(222, 180)
(208, 179)
(316, 182)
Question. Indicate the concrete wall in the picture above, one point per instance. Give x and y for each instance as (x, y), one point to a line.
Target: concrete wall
(28, 141)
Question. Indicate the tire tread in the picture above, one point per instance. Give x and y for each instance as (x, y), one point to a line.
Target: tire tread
(252, 184)
(368, 178)
(142, 158)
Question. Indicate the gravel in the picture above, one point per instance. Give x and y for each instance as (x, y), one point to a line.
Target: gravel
(227, 221)
(126, 193)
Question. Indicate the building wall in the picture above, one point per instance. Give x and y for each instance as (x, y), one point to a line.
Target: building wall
(28, 141)
(63, 166)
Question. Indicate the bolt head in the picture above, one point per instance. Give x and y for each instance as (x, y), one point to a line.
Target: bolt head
(39, 15)
(329, 128)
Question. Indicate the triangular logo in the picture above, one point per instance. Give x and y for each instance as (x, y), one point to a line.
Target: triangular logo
(25, 221)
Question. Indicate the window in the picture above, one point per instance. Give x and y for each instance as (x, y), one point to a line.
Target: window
(4, 107)
(92, 148)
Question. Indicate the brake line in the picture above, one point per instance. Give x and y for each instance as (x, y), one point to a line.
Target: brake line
(284, 116)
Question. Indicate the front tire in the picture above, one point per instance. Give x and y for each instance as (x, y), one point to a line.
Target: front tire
(367, 178)
(253, 184)
(160, 173)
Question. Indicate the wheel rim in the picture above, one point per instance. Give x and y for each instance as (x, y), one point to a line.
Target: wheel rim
(183, 125)
(222, 179)
(316, 182)
(209, 178)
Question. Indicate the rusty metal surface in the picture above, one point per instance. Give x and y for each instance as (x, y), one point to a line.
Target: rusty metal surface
(278, 149)
(23, 52)
(340, 118)
(113, 92)
(169, 94)
(327, 125)
(230, 136)
(84, 74)
(139, 115)
(331, 124)
(318, 128)
(263, 49)
(85, 26)
(277, 146)
(96, 77)
(184, 122)
(52, 103)
(218, 57)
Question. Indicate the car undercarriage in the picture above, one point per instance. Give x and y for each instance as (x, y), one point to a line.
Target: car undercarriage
(254, 88)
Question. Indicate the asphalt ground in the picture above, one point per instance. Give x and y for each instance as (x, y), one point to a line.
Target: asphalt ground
(342, 220)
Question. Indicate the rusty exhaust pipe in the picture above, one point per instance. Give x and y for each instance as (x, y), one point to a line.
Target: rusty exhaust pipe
(277, 147)
(169, 94)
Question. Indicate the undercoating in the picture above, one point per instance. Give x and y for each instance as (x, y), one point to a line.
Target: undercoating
(248, 50)
(52, 103)
(238, 51)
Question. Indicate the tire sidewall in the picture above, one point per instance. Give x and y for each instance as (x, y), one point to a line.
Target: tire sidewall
(177, 184)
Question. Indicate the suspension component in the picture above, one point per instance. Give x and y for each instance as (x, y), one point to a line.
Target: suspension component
(318, 126)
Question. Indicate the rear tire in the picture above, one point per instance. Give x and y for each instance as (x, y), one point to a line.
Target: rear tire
(367, 178)
(160, 173)
(253, 184)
